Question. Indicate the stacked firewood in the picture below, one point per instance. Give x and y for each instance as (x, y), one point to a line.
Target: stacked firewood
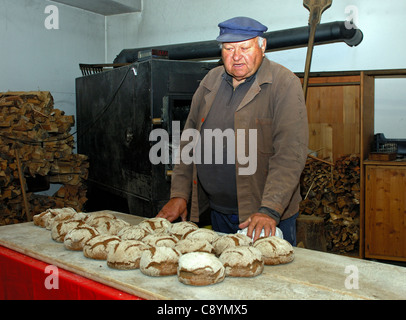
(35, 142)
(332, 191)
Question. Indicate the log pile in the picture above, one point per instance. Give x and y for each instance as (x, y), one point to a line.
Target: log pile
(38, 134)
(332, 192)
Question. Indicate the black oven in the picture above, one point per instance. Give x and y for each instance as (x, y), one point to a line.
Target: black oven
(116, 112)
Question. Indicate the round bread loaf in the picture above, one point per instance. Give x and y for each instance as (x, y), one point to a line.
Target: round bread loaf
(203, 234)
(42, 219)
(76, 238)
(190, 245)
(94, 216)
(156, 225)
(123, 230)
(160, 240)
(111, 226)
(159, 261)
(278, 233)
(183, 228)
(62, 214)
(98, 219)
(126, 255)
(99, 246)
(230, 240)
(200, 269)
(274, 250)
(60, 229)
(132, 233)
(80, 216)
(242, 261)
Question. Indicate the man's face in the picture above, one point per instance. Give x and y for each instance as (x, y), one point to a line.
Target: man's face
(242, 59)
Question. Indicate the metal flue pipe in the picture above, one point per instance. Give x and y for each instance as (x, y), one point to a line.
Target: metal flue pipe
(276, 40)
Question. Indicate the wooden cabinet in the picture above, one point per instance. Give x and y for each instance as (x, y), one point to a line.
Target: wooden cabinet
(341, 122)
(385, 210)
(340, 108)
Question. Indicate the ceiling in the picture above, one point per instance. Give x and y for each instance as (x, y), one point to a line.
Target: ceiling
(105, 7)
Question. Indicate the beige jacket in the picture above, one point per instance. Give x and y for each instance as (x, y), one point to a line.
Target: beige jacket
(275, 107)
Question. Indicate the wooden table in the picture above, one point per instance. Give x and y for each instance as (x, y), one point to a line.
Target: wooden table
(312, 274)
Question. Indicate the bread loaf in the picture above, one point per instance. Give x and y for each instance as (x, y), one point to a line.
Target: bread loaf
(203, 234)
(97, 219)
(62, 215)
(160, 240)
(230, 240)
(111, 226)
(200, 269)
(275, 250)
(156, 225)
(132, 233)
(159, 261)
(126, 255)
(278, 233)
(190, 245)
(183, 228)
(60, 229)
(98, 247)
(242, 261)
(76, 238)
(42, 219)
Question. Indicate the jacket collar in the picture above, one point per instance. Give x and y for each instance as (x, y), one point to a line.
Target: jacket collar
(263, 76)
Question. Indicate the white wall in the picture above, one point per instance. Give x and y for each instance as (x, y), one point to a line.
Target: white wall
(383, 24)
(390, 107)
(178, 21)
(35, 58)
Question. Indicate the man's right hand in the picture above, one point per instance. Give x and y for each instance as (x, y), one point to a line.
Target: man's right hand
(173, 209)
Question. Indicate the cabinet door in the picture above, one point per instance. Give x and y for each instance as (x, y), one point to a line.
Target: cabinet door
(334, 116)
(385, 212)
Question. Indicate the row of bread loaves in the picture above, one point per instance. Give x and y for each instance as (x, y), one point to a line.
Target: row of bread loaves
(198, 256)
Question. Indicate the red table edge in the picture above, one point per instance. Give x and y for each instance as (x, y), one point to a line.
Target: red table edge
(24, 278)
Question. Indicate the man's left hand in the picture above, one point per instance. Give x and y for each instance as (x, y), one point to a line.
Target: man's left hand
(257, 222)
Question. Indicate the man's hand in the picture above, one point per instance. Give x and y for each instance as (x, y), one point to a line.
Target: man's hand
(173, 209)
(257, 222)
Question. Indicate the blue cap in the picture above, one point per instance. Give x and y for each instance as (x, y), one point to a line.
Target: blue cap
(240, 29)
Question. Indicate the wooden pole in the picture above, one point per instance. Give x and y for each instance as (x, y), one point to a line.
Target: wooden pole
(22, 183)
(316, 8)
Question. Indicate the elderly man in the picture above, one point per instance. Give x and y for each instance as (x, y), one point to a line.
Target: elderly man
(248, 92)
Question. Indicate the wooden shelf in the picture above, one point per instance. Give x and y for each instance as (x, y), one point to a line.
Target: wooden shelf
(386, 163)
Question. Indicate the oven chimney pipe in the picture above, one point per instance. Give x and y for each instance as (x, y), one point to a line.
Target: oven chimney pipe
(276, 40)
